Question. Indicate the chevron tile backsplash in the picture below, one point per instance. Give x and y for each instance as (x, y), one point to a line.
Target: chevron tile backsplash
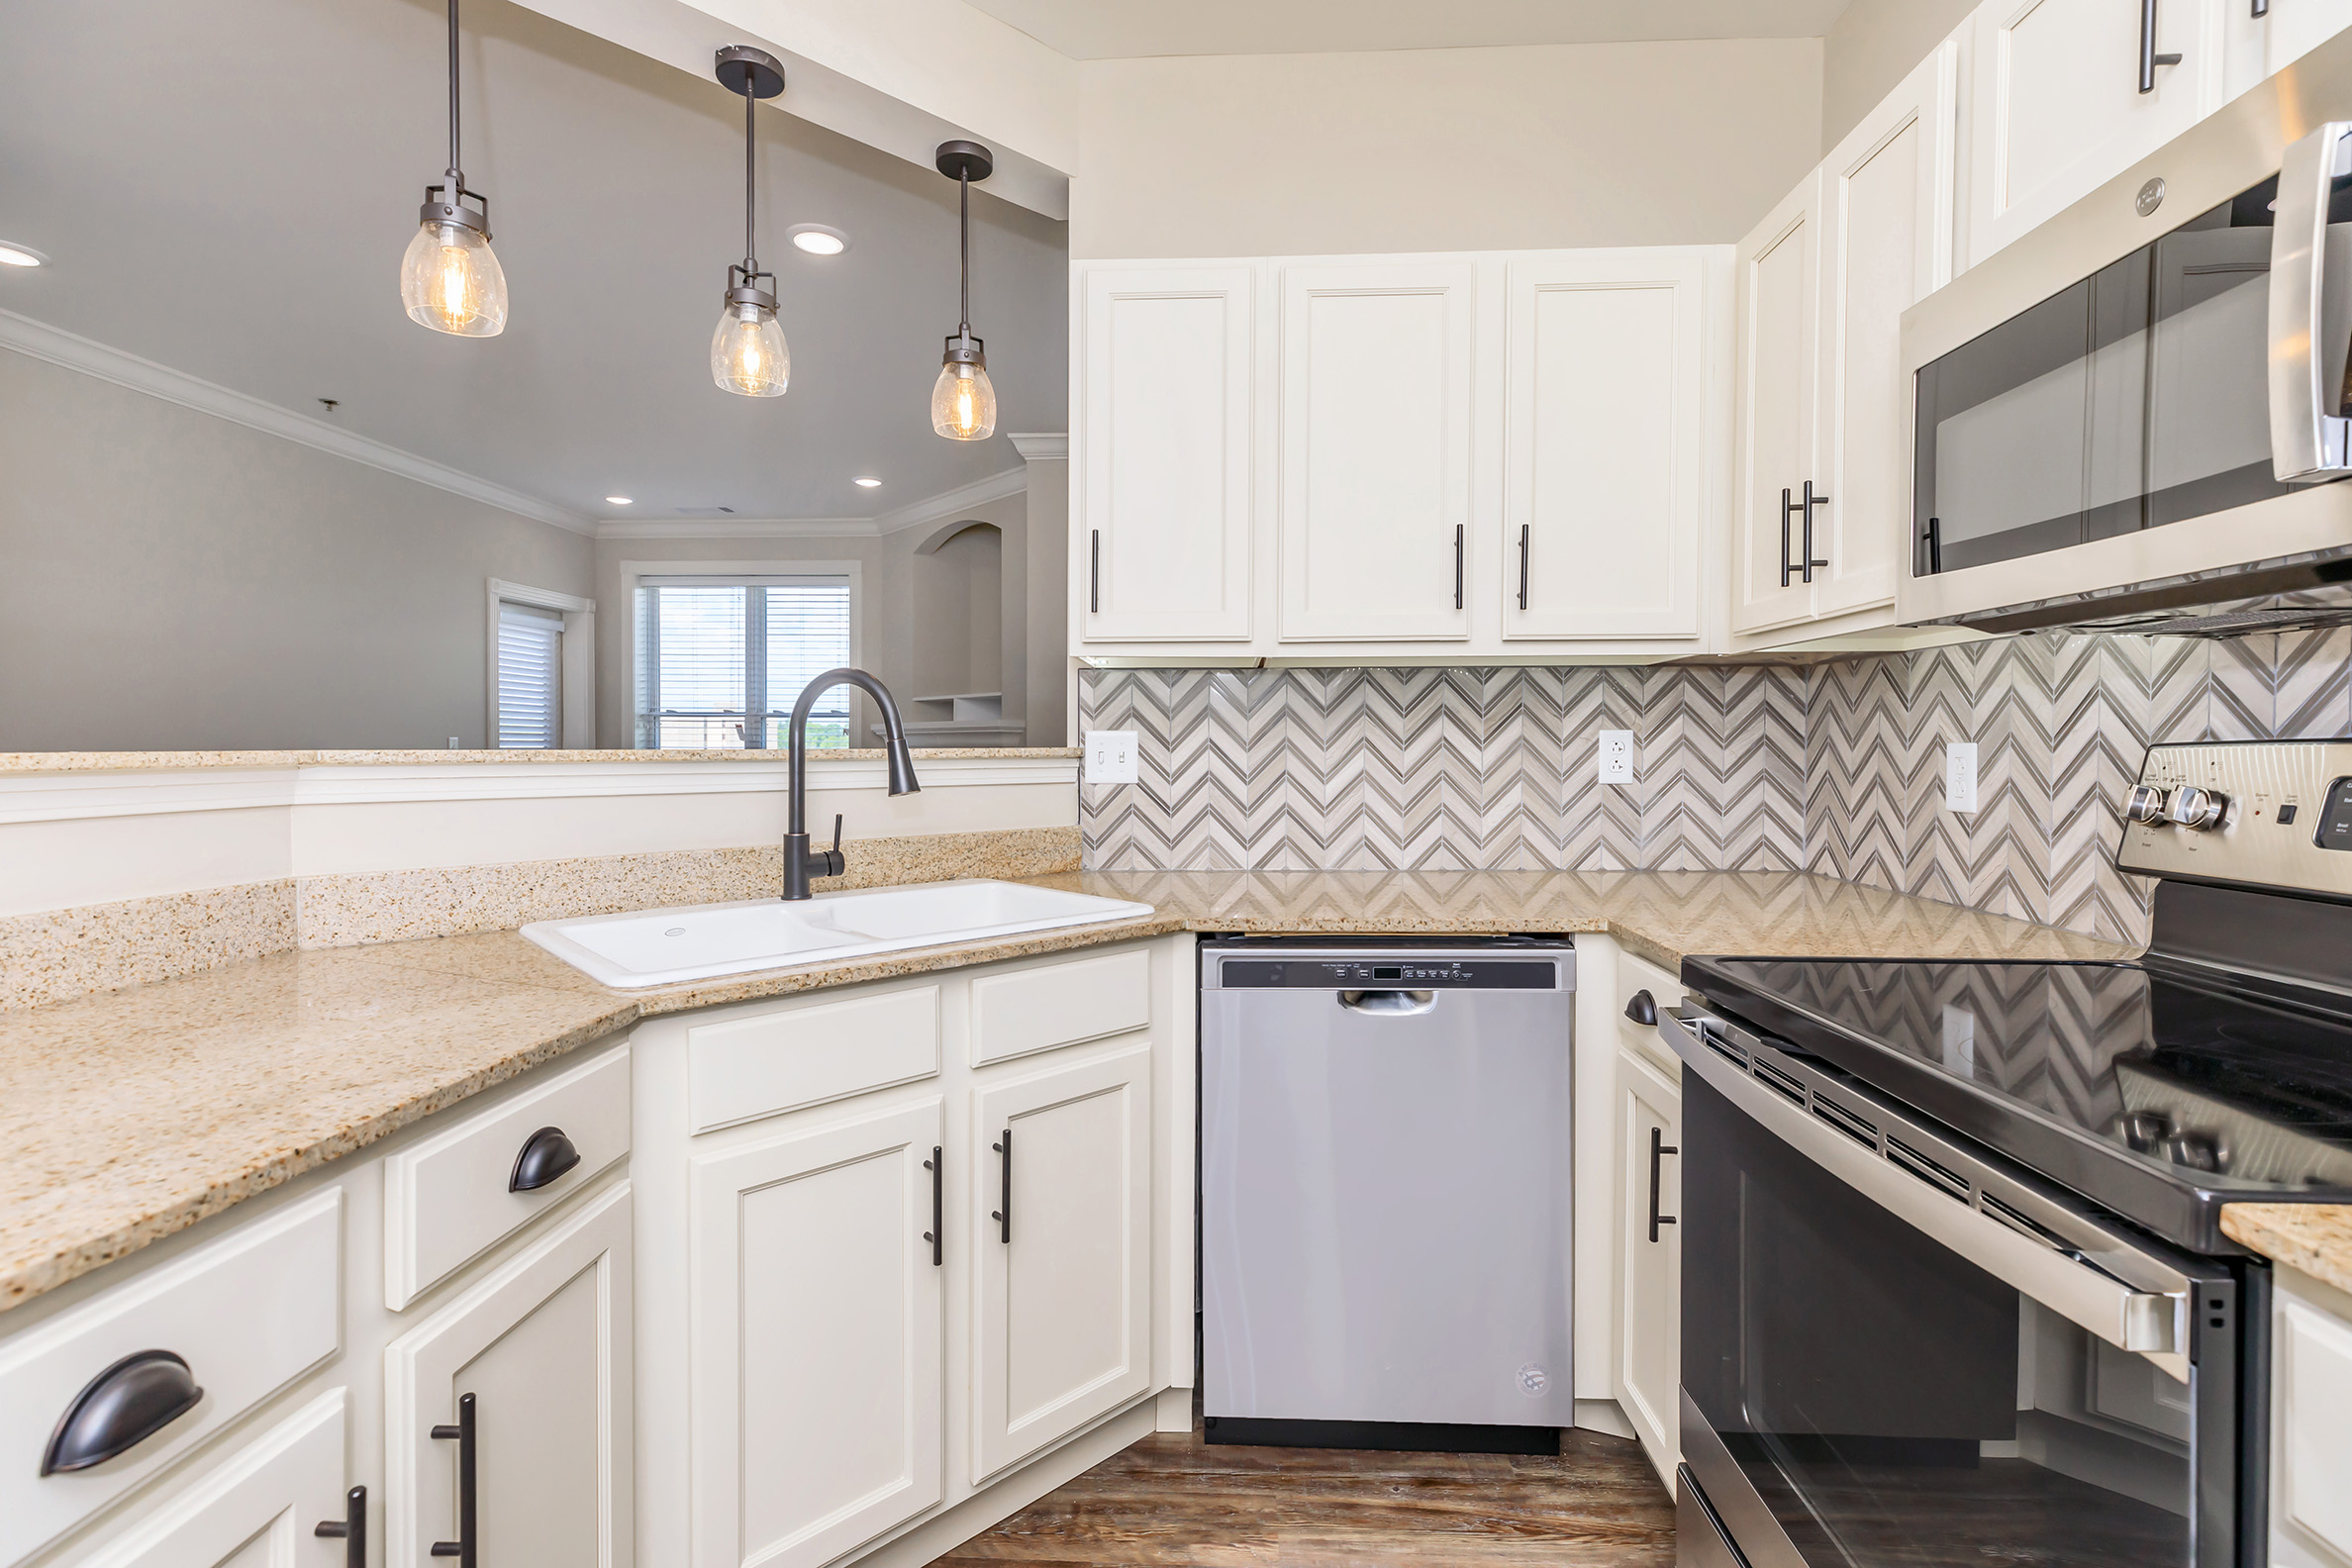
(1836, 768)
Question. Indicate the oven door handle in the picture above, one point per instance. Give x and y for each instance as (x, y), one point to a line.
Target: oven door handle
(2310, 313)
(2149, 1323)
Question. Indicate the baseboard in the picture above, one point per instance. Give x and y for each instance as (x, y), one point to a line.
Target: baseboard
(1602, 1416)
(1000, 1501)
(1175, 1413)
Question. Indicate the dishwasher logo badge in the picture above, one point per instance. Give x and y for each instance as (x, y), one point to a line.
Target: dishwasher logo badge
(1533, 1380)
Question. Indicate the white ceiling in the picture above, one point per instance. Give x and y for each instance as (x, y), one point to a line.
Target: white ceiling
(227, 189)
(1120, 28)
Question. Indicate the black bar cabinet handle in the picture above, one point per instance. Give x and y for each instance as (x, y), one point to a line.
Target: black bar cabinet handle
(1457, 565)
(2261, 9)
(1934, 541)
(1787, 511)
(1659, 1149)
(466, 1543)
(1004, 1217)
(937, 1229)
(1522, 566)
(1811, 500)
(350, 1529)
(1094, 572)
(2149, 58)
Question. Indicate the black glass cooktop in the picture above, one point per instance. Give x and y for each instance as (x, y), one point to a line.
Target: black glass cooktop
(2161, 1091)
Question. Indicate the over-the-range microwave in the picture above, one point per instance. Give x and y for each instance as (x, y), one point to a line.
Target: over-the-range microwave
(2133, 416)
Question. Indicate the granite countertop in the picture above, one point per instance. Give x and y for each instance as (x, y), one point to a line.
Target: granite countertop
(176, 761)
(129, 1115)
(2313, 1238)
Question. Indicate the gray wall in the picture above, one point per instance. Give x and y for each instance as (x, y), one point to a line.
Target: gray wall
(1873, 46)
(173, 581)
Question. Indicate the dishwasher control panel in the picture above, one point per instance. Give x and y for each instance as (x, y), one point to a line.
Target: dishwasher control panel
(1414, 972)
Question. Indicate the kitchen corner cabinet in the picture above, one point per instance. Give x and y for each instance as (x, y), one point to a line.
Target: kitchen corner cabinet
(1822, 496)
(1649, 1212)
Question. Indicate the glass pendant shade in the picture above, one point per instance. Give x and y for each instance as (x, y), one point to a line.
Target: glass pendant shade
(748, 353)
(451, 282)
(963, 402)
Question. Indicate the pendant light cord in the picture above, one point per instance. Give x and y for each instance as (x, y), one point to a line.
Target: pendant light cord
(963, 185)
(453, 182)
(750, 259)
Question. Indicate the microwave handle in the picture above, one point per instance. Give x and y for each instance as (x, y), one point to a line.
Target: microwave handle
(2307, 337)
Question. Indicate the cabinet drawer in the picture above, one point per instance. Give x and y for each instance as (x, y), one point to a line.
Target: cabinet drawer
(752, 1067)
(248, 1314)
(1034, 1010)
(450, 1196)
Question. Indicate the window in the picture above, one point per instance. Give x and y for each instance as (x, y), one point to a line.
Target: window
(530, 679)
(721, 660)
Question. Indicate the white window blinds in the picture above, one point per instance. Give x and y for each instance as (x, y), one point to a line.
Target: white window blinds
(530, 679)
(720, 661)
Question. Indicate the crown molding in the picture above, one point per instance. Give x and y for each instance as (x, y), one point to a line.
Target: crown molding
(947, 503)
(57, 347)
(1041, 445)
(736, 528)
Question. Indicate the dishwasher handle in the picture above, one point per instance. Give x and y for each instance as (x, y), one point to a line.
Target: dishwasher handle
(1397, 1004)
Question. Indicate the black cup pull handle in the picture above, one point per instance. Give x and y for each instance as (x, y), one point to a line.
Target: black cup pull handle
(1642, 1008)
(465, 1546)
(1659, 1149)
(1003, 1215)
(938, 1230)
(546, 1157)
(119, 1409)
(350, 1529)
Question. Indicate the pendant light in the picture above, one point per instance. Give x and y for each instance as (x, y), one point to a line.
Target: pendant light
(450, 281)
(963, 403)
(748, 353)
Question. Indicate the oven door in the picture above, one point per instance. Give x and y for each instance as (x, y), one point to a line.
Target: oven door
(1898, 1351)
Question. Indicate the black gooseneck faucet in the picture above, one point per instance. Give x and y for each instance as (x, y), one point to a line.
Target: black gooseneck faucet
(799, 863)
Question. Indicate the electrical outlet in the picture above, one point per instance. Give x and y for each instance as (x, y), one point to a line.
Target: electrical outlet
(1960, 776)
(1109, 756)
(1617, 756)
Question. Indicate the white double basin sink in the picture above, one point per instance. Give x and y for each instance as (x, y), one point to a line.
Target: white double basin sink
(703, 942)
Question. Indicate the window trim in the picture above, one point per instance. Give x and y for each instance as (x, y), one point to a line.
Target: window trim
(633, 573)
(575, 656)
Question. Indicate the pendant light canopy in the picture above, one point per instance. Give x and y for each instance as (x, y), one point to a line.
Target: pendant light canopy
(963, 402)
(450, 281)
(748, 353)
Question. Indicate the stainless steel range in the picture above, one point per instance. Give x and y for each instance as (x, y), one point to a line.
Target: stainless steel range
(1954, 1285)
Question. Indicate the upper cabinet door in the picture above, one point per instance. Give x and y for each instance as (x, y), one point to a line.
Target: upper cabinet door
(2287, 30)
(2059, 108)
(1887, 230)
(1377, 378)
(1605, 466)
(1162, 542)
(1779, 279)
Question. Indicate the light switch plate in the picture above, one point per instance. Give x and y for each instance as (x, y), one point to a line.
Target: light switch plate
(1960, 776)
(1109, 756)
(1617, 756)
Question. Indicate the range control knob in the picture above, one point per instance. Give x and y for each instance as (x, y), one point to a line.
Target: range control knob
(2144, 805)
(2196, 809)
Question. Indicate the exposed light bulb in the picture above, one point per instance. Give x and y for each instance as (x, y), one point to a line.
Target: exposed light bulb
(748, 353)
(451, 282)
(963, 402)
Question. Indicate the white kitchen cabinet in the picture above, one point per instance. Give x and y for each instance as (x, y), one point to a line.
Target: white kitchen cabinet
(1648, 1139)
(2058, 109)
(1163, 525)
(1060, 1213)
(1378, 368)
(2255, 47)
(818, 1395)
(2310, 1502)
(542, 1345)
(1779, 283)
(259, 1507)
(1605, 467)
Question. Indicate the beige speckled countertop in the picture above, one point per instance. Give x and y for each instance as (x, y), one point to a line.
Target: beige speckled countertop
(172, 761)
(2313, 1238)
(129, 1115)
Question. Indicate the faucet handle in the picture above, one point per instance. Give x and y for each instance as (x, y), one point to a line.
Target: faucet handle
(837, 843)
(829, 862)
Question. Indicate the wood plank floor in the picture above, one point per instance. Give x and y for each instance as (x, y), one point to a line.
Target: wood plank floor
(1172, 1500)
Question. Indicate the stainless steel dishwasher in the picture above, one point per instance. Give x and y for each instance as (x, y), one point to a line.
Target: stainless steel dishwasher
(1385, 1162)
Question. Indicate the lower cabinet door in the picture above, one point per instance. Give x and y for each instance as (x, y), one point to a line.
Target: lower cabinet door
(818, 1395)
(259, 1507)
(1061, 1190)
(522, 1386)
(1650, 1375)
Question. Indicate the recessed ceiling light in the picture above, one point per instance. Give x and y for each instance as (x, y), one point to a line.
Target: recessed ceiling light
(867, 482)
(619, 501)
(23, 256)
(819, 238)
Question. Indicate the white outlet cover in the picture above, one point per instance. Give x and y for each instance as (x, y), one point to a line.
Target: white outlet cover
(1617, 756)
(1110, 756)
(1960, 776)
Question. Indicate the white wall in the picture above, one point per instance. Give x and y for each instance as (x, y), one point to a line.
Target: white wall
(1441, 149)
(1872, 47)
(171, 580)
